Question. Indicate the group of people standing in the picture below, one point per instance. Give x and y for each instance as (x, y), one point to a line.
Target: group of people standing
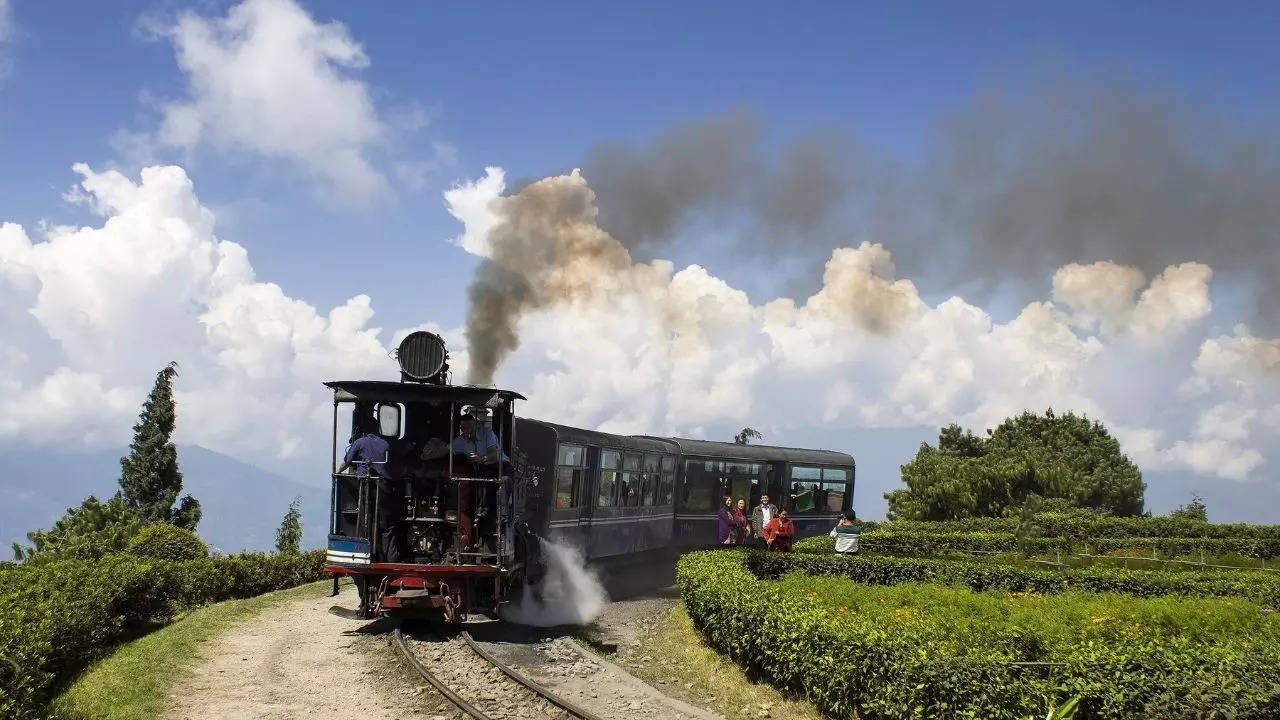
(766, 524)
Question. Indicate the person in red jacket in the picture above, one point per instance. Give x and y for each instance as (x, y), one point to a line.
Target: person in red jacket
(778, 532)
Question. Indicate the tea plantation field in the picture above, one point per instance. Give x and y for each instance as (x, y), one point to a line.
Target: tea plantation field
(909, 629)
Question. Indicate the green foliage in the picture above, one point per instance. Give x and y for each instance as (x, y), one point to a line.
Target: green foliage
(1064, 457)
(162, 541)
(188, 513)
(892, 540)
(289, 534)
(150, 480)
(1080, 525)
(59, 615)
(981, 574)
(924, 651)
(746, 435)
(1194, 510)
(90, 531)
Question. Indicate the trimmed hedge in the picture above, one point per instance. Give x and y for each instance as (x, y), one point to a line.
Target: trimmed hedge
(58, 615)
(923, 651)
(894, 539)
(1083, 527)
(982, 575)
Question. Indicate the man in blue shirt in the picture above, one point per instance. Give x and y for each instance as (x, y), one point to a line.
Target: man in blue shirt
(479, 444)
(370, 453)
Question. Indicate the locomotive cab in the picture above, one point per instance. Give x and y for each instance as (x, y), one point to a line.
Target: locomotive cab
(422, 512)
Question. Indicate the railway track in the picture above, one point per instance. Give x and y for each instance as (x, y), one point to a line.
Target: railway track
(529, 697)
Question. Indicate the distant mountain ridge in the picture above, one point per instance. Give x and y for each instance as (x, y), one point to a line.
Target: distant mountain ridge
(243, 504)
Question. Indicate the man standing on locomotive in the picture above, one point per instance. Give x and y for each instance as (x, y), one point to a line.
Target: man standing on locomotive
(479, 444)
(370, 453)
(481, 448)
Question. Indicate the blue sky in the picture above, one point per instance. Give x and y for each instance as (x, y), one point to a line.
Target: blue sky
(532, 87)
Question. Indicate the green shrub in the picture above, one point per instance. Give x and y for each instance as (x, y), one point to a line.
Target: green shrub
(894, 539)
(979, 574)
(926, 651)
(60, 614)
(1083, 527)
(162, 541)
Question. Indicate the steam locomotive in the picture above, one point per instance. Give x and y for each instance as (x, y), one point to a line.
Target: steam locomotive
(429, 530)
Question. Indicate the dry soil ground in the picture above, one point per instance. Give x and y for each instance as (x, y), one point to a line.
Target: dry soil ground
(299, 661)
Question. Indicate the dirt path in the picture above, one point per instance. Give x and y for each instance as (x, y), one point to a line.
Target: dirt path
(298, 661)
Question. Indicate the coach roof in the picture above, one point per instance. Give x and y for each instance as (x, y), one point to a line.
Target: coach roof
(763, 453)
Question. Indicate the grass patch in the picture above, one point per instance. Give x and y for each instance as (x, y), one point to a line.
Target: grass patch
(134, 682)
(674, 658)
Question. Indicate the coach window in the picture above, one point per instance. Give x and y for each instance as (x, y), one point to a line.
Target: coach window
(652, 479)
(571, 464)
(806, 488)
(835, 485)
(668, 479)
(610, 461)
(701, 484)
(632, 479)
(743, 479)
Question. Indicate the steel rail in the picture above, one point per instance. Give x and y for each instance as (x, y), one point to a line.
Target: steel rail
(466, 707)
(540, 689)
(443, 689)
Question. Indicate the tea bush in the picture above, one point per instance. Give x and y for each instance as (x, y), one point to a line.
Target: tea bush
(891, 538)
(1082, 526)
(58, 615)
(162, 541)
(977, 574)
(925, 651)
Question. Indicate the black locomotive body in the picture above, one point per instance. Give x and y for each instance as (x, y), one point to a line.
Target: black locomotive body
(430, 529)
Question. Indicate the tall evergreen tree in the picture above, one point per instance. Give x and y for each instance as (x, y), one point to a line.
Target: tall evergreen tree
(289, 535)
(150, 480)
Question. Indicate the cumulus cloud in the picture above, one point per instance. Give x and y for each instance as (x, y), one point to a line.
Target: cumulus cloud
(268, 80)
(604, 341)
(95, 311)
(1101, 296)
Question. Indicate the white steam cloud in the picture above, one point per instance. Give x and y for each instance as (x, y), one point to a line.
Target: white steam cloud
(568, 594)
(624, 346)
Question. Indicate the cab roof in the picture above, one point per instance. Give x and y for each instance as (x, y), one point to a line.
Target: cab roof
(391, 391)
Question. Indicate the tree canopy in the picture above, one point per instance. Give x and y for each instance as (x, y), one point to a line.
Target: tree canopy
(289, 534)
(1194, 510)
(1064, 457)
(150, 479)
(150, 482)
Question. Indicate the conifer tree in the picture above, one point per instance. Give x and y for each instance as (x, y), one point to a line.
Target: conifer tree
(150, 480)
(289, 535)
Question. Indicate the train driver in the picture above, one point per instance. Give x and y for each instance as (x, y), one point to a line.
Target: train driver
(479, 444)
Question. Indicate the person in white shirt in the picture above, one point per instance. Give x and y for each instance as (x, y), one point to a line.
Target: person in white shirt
(845, 534)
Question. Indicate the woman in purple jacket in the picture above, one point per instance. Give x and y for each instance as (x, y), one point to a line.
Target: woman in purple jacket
(724, 521)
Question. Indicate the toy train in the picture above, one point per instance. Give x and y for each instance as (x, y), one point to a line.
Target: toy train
(446, 524)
